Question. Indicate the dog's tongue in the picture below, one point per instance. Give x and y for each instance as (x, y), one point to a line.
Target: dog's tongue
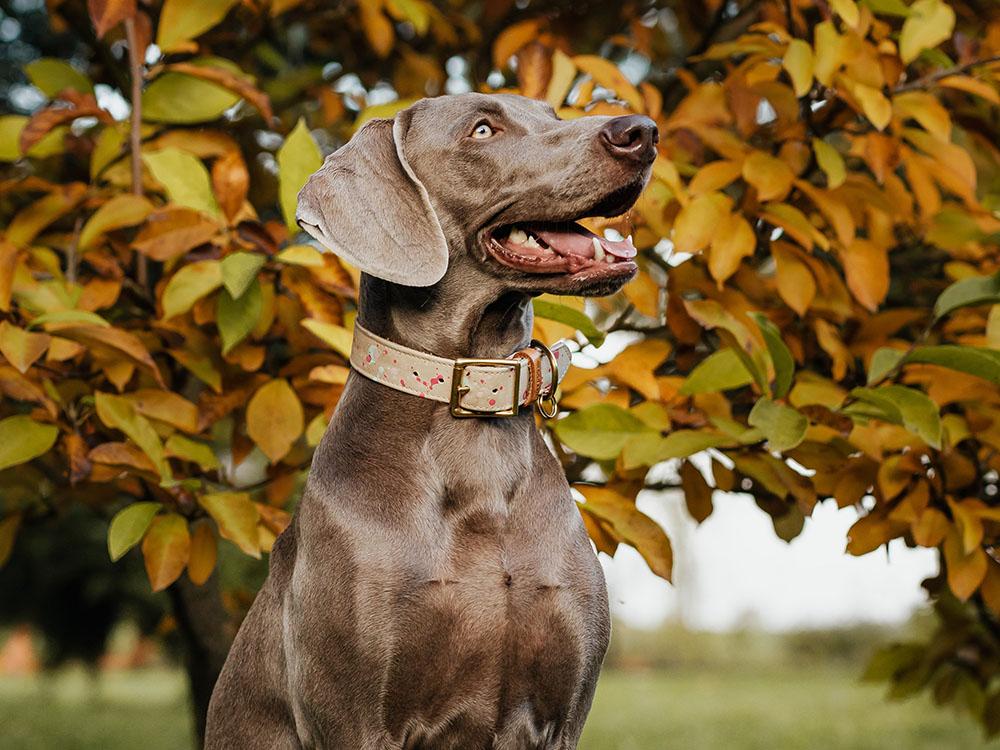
(573, 239)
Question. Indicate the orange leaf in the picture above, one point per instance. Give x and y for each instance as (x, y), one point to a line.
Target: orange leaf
(511, 39)
(204, 550)
(867, 270)
(166, 549)
(43, 121)
(770, 176)
(796, 283)
(106, 14)
(930, 528)
(230, 182)
(20, 347)
(965, 571)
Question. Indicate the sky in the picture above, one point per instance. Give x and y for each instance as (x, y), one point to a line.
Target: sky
(733, 571)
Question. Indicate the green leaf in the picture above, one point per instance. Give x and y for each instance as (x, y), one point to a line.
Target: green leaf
(185, 179)
(128, 527)
(981, 362)
(719, 371)
(236, 318)
(190, 284)
(10, 137)
(239, 271)
(600, 431)
(53, 76)
(183, 99)
(298, 158)
(569, 316)
(119, 413)
(22, 439)
(195, 451)
(183, 20)
(906, 406)
(781, 356)
(975, 290)
(652, 448)
(783, 426)
(69, 316)
(237, 518)
(336, 337)
(884, 361)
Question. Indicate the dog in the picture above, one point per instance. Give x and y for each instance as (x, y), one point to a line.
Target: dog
(436, 588)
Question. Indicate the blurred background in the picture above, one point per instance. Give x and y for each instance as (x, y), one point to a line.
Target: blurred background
(819, 487)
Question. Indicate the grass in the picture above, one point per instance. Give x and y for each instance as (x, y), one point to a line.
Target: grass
(788, 708)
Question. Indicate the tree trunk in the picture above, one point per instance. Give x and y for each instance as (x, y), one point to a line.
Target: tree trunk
(207, 631)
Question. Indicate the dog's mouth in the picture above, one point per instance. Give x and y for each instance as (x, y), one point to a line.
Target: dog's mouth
(560, 248)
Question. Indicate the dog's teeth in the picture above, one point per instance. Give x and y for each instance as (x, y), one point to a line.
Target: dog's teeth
(598, 250)
(518, 236)
(532, 242)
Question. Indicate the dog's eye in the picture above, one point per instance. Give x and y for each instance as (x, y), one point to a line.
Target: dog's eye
(482, 131)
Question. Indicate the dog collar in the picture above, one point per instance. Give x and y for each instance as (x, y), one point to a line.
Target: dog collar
(473, 387)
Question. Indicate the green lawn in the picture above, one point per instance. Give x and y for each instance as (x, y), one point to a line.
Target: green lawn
(787, 709)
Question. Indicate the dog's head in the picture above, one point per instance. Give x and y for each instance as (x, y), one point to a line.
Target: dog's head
(498, 181)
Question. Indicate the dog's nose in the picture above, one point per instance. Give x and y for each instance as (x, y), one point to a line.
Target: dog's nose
(631, 137)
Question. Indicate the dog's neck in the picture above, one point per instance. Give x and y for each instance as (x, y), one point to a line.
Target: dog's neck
(473, 318)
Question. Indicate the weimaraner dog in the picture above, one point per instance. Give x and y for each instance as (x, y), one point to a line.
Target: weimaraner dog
(436, 588)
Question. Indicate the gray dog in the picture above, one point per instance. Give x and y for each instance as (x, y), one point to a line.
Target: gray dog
(436, 588)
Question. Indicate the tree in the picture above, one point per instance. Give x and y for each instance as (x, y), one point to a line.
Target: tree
(818, 307)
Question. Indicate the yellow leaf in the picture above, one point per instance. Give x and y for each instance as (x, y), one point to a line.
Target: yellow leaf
(236, 516)
(631, 525)
(195, 451)
(118, 413)
(971, 85)
(561, 80)
(847, 10)
(868, 534)
(770, 176)
(204, 550)
(275, 419)
(337, 337)
(798, 61)
(925, 109)
(829, 55)
(733, 241)
(696, 222)
(644, 293)
(610, 76)
(166, 549)
(796, 283)
(968, 523)
(125, 210)
(377, 27)
(20, 347)
(930, 22)
(714, 176)
(190, 284)
(636, 364)
(873, 103)
(965, 570)
(867, 269)
(165, 406)
(301, 255)
(183, 20)
(831, 162)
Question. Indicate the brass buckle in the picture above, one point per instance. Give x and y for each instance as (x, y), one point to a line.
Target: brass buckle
(458, 390)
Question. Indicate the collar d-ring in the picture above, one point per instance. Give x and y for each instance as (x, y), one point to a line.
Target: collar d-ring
(547, 404)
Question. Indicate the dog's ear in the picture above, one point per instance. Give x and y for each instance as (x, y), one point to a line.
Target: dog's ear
(366, 205)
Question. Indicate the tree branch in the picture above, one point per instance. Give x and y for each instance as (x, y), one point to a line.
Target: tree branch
(927, 80)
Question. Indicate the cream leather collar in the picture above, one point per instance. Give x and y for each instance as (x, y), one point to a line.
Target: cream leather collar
(473, 387)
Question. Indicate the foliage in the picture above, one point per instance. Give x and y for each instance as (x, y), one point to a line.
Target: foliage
(818, 306)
